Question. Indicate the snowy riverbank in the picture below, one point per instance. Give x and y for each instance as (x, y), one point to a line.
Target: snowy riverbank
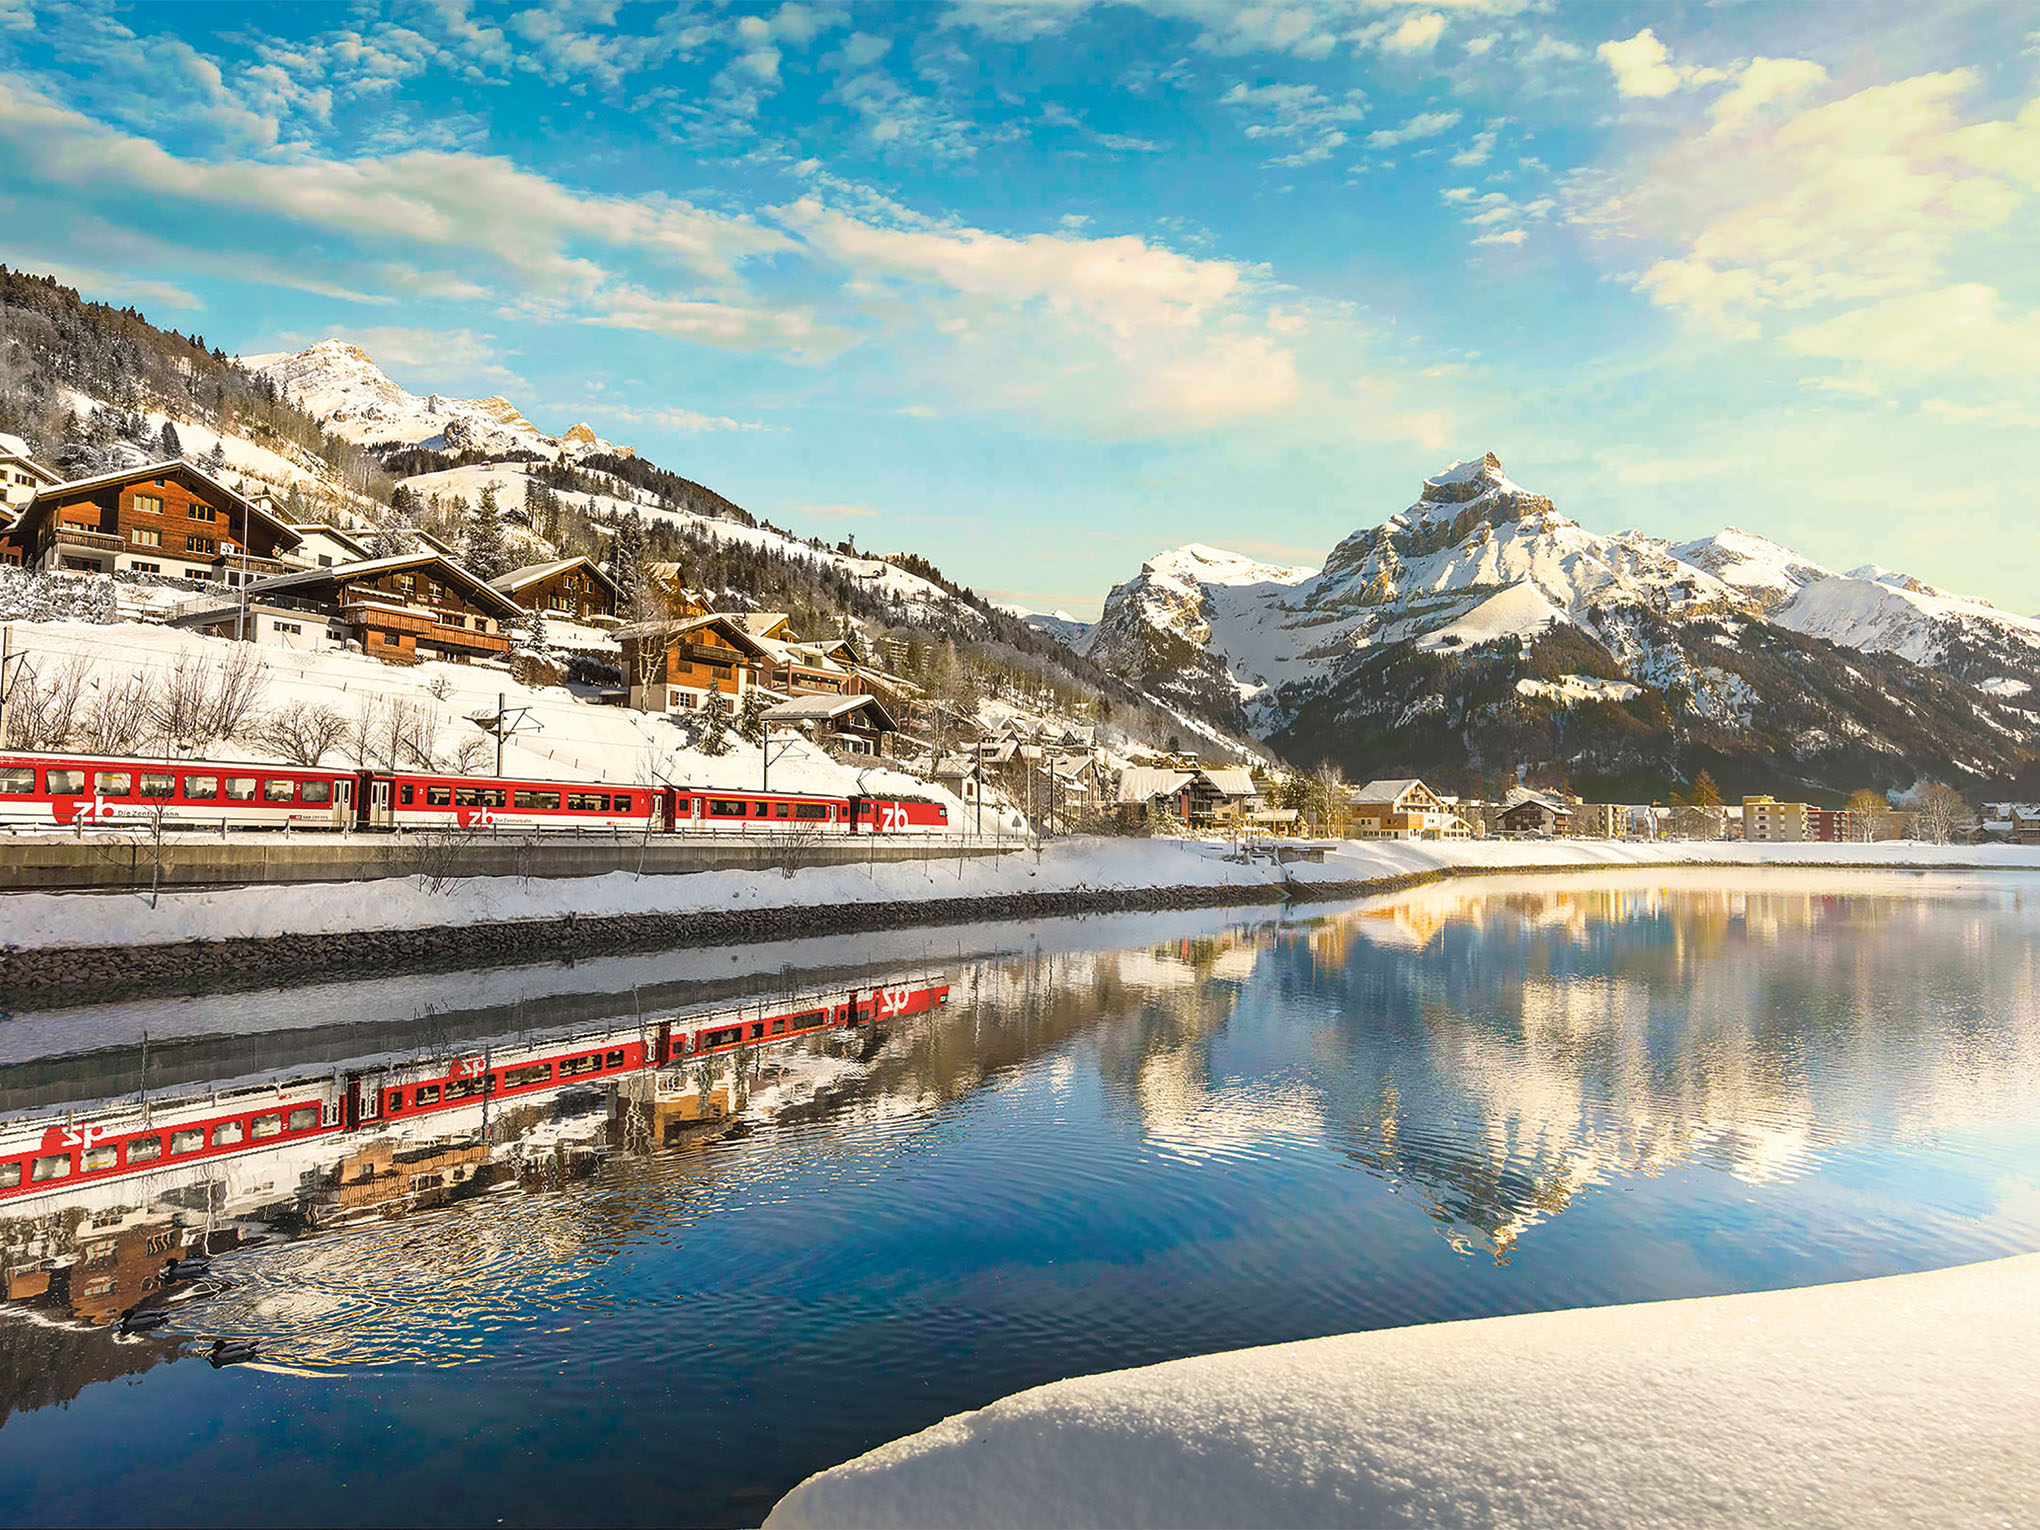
(1902, 1401)
(32, 921)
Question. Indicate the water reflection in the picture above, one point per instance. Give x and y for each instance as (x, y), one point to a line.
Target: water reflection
(1479, 1097)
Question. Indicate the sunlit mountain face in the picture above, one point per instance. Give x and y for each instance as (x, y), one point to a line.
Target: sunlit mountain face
(1115, 1141)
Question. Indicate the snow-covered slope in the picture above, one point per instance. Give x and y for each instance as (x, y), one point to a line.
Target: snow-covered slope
(341, 386)
(1886, 613)
(1069, 630)
(1761, 570)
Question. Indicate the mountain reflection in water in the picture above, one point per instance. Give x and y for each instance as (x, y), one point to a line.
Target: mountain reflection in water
(1481, 1097)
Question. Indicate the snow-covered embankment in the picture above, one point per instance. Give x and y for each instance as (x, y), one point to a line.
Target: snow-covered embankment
(1906, 1401)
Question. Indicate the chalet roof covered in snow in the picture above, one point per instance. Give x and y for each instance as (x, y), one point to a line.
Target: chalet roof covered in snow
(470, 585)
(1389, 789)
(1231, 780)
(522, 578)
(1141, 784)
(833, 709)
(729, 627)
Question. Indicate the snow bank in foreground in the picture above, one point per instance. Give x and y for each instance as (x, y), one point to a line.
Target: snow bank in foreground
(1905, 1401)
(393, 903)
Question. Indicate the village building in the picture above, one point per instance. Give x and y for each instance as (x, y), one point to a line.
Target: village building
(573, 589)
(841, 724)
(167, 518)
(324, 546)
(1403, 808)
(400, 610)
(1766, 820)
(21, 476)
(1831, 825)
(676, 664)
(1545, 815)
(1195, 799)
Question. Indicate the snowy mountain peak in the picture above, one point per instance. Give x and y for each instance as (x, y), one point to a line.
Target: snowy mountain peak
(1205, 564)
(1760, 569)
(341, 385)
(1465, 480)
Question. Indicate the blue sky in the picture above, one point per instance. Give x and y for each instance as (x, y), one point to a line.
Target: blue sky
(1038, 287)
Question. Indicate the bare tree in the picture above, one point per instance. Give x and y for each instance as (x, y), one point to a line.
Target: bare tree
(117, 718)
(363, 729)
(303, 733)
(1943, 813)
(42, 706)
(205, 699)
(468, 756)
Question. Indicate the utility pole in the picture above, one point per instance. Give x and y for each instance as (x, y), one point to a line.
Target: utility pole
(6, 690)
(504, 721)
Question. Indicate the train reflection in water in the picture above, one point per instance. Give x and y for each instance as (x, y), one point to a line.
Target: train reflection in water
(104, 1204)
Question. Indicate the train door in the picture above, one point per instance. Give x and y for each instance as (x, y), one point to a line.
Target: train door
(343, 804)
(661, 808)
(379, 814)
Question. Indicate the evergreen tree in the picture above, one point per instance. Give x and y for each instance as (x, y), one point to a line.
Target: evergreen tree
(627, 563)
(482, 546)
(170, 446)
(751, 721)
(1705, 793)
(216, 459)
(715, 726)
(393, 538)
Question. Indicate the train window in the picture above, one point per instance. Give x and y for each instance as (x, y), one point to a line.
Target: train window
(240, 788)
(540, 800)
(534, 1073)
(303, 1119)
(435, 796)
(145, 1150)
(478, 796)
(811, 810)
(101, 1157)
(54, 1166)
(190, 1140)
(113, 783)
(201, 788)
(10, 1174)
(812, 1018)
(613, 1060)
(65, 783)
(588, 802)
(779, 809)
(463, 1089)
(228, 1134)
(428, 1094)
(624, 801)
(265, 1126)
(574, 1067)
(942, 813)
(396, 1101)
(17, 780)
(758, 1031)
(779, 1027)
(761, 810)
(722, 807)
(274, 790)
(158, 784)
(315, 791)
(723, 1038)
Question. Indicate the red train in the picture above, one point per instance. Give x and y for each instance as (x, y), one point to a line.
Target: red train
(39, 1156)
(53, 790)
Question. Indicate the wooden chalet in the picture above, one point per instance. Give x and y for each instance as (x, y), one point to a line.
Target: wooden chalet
(327, 546)
(167, 518)
(21, 476)
(675, 665)
(573, 589)
(845, 724)
(1195, 798)
(400, 610)
(1542, 814)
(1403, 808)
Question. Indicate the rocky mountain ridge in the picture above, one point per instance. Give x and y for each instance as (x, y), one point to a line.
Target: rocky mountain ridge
(1507, 635)
(342, 387)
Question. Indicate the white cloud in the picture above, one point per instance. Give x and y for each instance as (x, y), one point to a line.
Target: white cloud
(1478, 151)
(1761, 83)
(1863, 198)
(1302, 114)
(1423, 125)
(1643, 67)
(1957, 332)
(1498, 218)
(1417, 33)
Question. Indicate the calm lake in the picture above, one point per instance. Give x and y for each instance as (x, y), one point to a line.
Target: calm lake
(1118, 1141)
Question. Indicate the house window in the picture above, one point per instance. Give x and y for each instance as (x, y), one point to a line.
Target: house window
(407, 583)
(147, 568)
(201, 513)
(149, 504)
(434, 590)
(78, 526)
(201, 545)
(145, 536)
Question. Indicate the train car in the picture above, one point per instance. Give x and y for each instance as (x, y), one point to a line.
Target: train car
(51, 790)
(422, 800)
(712, 810)
(42, 1157)
(897, 815)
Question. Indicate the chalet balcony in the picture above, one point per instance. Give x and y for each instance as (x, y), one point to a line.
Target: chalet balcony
(89, 541)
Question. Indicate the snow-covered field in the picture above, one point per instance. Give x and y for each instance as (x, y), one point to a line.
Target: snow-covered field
(77, 919)
(1904, 1401)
